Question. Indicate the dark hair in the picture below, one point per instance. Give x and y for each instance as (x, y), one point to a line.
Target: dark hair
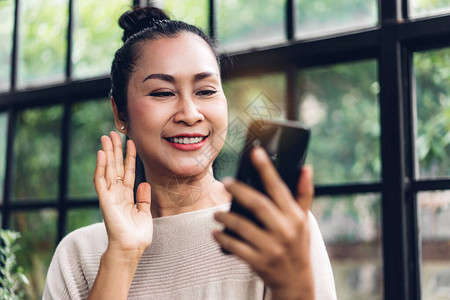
(143, 24)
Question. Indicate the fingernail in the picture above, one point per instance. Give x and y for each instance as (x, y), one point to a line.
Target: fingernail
(259, 153)
(309, 169)
(227, 181)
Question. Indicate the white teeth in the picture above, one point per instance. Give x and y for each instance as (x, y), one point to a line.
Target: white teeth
(186, 140)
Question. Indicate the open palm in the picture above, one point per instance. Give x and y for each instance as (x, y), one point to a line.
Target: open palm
(129, 226)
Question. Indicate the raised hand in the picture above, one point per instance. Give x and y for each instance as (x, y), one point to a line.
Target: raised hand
(279, 252)
(129, 226)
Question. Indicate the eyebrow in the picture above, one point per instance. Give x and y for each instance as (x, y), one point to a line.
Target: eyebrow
(170, 78)
(164, 77)
(204, 75)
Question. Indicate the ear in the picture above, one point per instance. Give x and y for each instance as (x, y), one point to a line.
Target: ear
(120, 125)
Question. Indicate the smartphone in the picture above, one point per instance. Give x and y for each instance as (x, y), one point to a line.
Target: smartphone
(286, 143)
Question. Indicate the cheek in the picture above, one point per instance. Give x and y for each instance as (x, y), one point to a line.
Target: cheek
(144, 115)
(219, 113)
(218, 116)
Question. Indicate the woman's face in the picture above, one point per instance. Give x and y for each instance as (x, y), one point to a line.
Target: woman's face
(176, 105)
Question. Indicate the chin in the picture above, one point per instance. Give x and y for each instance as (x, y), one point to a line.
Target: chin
(189, 169)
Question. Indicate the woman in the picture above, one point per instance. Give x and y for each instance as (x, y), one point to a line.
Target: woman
(167, 98)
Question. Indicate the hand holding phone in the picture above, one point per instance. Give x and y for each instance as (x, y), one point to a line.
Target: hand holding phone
(285, 143)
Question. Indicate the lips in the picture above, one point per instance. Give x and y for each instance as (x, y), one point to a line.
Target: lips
(187, 141)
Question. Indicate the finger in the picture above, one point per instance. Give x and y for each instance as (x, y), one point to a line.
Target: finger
(130, 165)
(118, 154)
(110, 173)
(275, 187)
(237, 247)
(99, 174)
(143, 197)
(246, 229)
(261, 207)
(305, 188)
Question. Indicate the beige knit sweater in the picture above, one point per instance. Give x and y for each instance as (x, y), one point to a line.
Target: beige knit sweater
(183, 262)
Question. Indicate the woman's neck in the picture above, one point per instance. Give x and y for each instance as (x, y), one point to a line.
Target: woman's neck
(175, 195)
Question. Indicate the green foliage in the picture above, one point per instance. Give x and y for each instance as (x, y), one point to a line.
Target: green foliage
(315, 16)
(432, 70)
(12, 277)
(6, 25)
(37, 149)
(264, 22)
(90, 120)
(190, 11)
(426, 7)
(340, 103)
(77, 218)
(38, 230)
(97, 35)
(42, 33)
(3, 130)
(244, 21)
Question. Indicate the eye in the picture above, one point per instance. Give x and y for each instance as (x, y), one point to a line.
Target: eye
(206, 93)
(161, 94)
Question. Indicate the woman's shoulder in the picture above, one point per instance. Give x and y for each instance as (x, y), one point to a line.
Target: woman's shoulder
(92, 238)
(75, 262)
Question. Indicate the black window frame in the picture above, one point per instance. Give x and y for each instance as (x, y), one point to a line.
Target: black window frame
(391, 43)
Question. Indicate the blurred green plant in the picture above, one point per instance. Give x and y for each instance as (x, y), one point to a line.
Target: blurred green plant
(420, 8)
(97, 35)
(190, 11)
(36, 149)
(6, 26)
(12, 276)
(42, 47)
(432, 73)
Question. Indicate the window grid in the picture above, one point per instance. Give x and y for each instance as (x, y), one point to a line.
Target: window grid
(391, 43)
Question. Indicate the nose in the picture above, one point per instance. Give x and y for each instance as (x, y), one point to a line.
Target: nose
(187, 112)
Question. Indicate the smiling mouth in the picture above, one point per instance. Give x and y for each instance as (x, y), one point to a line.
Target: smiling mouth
(186, 140)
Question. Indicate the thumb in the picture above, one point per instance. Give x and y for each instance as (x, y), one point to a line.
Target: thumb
(305, 188)
(143, 197)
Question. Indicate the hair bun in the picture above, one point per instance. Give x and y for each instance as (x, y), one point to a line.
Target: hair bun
(139, 18)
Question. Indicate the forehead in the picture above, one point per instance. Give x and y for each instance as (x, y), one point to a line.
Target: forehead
(185, 52)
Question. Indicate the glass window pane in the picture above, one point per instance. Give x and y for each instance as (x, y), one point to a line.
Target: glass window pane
(432, 71)
(434, 219)
(42, 41)
(248, 23)
(37, 244)
(6, 25)
(190, 11)
(90, 120)
(351, 228)
(421, 8)
(248, 99)
(97, 36)
(37, 152)
(3, 143)
(323, 17)
(340, 103)
(78, 218)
